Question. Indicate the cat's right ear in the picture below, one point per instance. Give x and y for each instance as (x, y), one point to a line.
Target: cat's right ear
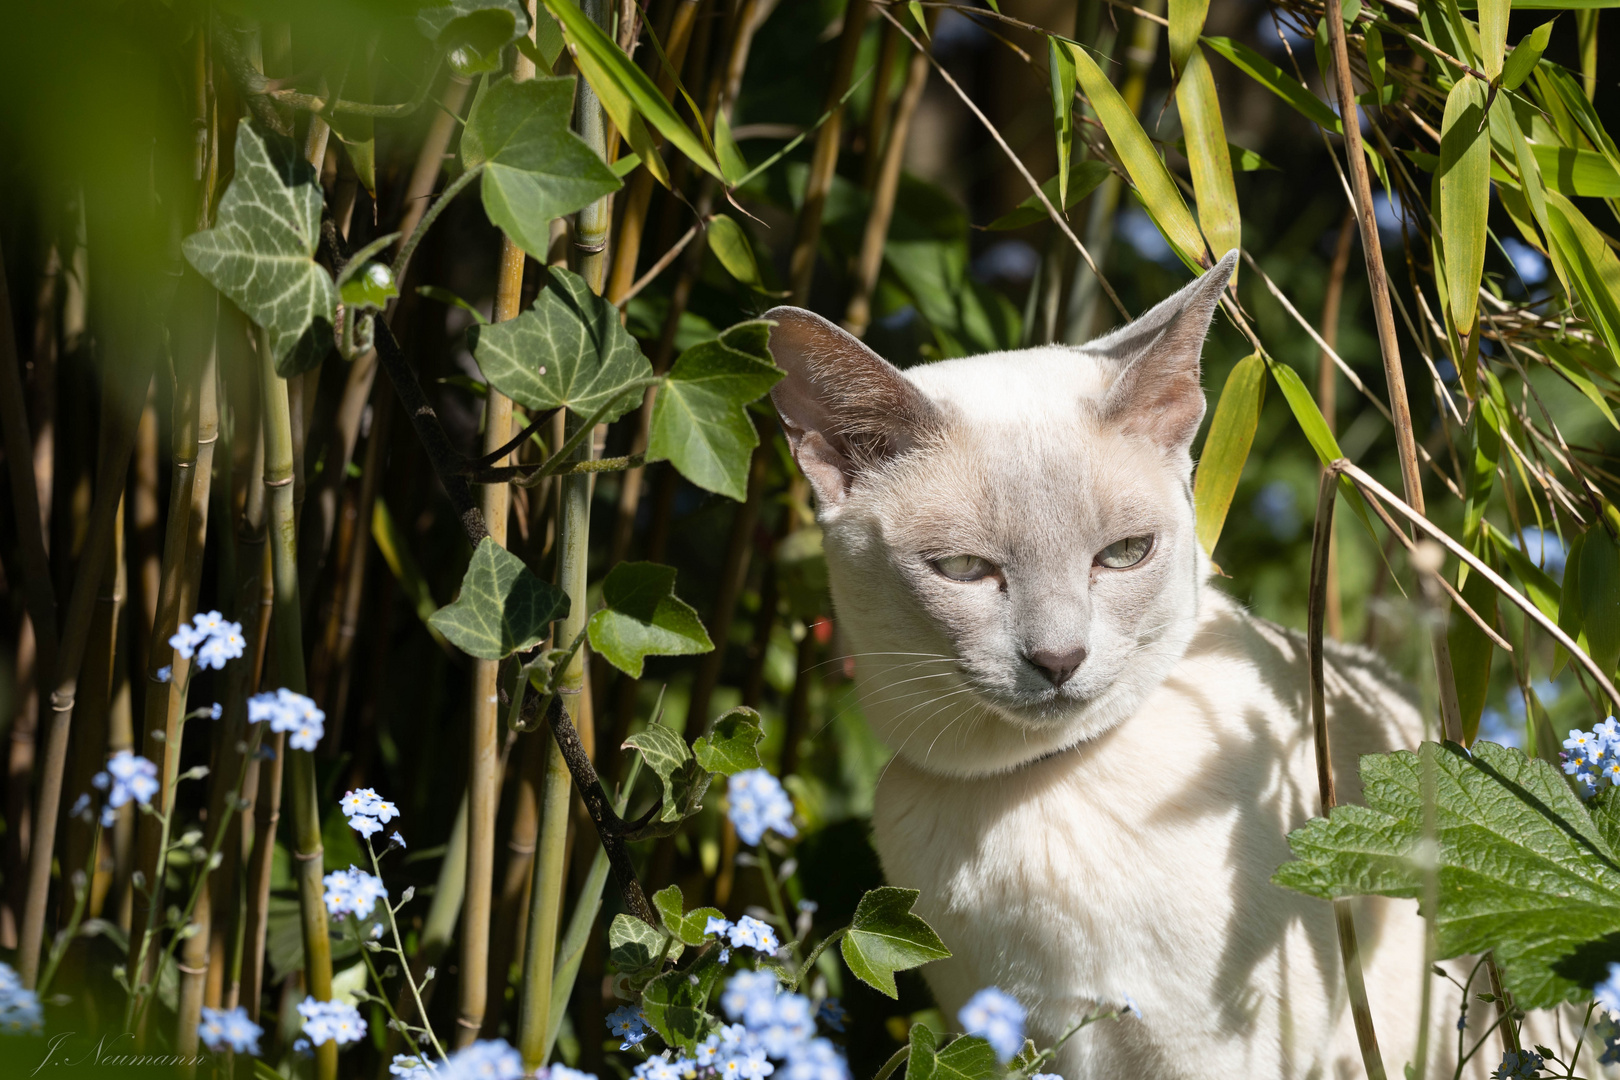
(845, 409)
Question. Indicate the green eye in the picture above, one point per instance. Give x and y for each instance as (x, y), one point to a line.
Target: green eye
(964, 567)
(1124, 553)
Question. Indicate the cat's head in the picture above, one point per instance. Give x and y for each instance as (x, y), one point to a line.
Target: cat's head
(1009, 537)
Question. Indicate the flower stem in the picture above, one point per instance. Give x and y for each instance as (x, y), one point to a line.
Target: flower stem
(399, 948)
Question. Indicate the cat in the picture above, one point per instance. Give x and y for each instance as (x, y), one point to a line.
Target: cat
(1098, 754)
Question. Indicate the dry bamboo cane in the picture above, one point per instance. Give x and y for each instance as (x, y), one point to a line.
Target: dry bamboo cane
(1344, 921)
(1389, 345)
(483, 711)
(286, 623)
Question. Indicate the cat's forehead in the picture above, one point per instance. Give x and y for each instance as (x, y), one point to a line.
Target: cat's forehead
(1016, 388)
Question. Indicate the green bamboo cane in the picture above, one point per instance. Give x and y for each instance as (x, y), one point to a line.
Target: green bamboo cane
(288, 638)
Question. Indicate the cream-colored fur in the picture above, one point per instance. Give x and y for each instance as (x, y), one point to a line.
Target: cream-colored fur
(1079, 840)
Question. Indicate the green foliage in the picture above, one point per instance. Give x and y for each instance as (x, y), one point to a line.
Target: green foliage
(636, 949)
(1525, 870)
(683, 780)
(643, 617)
(885, 938)
(730, 245)
(503, 608)
(676, 1002)
(700, 421)
(733, 744)
(535, 168)
(966, 1058)
(1083, 180)
(1061, 66)
(569, 350)
(1464, 180)
(1226, 448)
(261, 251)
(472, 33)
(685, 926)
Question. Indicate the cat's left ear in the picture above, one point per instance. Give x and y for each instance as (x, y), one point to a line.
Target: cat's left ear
(1158, 392)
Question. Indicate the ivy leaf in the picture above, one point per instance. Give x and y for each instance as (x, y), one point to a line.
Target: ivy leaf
(1524, 869)
(683, 780)
(733, 745)
(700, 419)
(535, 167)
(687, 926)
(634, 947)
(568, 350)
(885, 938)
(503, 608)
(372, 287)
(643, 617)
(966, 1058)
(472, 33)
(675, 1002)
(260, 253)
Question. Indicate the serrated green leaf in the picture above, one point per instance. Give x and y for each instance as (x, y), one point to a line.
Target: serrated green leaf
(1524, 870)
(687, 926)
(684, 782)
(568, 350)
(643, 617)
(1061, 66)
(1136, 151)
(1083, 180)
(535, 167)
(1207, 154)
(1525, 55)
(634, 947)
(733, 745)
(730, 245)
(1464, 178)
(503, 607)
(1276, 80)
(700, 419)
(624, 87)
(885, 938)
(1226, 448)
(676, 1003)
(472, 33)
(261, 251)
(372, 287)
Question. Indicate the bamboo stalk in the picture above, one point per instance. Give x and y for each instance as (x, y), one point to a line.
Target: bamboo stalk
(824, 160)
(1327, 399)
(591, 224)
(1343, 917)
(279, 481)
(508, 932)
(1388, 344)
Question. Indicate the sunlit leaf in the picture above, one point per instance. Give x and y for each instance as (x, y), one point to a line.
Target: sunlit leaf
(1207, 154)
(1376, 67)
(604, 64)
(1061, 65)
(503, 607)
(372, 287)
(568, 350)
(885, 938)
(1588, 264)
(967, 1057)
(733, 745)
(700, 419)
(1493, 25)
(261, 251)
(642, 617)
(472, 33)
(535, 167)
(1525, 55)
(729, 154)
(1137, 153)
(676, 1003)
(684, 781)
(1186, 24)
(1276, 80)
(1539, 586)
(1226, 448)
(730, 245)
(686, 926)
(1083, 180)
(634, 947)
(1465, 195)
(1576, 172)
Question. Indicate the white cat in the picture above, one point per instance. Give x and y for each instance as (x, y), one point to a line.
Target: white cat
(1098, 754)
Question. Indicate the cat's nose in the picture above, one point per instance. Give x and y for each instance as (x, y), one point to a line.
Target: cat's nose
(1058, 664)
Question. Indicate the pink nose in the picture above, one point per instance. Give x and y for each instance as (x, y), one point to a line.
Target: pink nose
(1058, 664)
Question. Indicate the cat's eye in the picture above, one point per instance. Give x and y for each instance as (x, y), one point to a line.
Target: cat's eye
(965, 567)
(1125, 553)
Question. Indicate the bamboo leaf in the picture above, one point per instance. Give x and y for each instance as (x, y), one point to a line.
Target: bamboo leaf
(1600, 597)
(1570, 171)
(1464, 177)
(1374, 42)
(605, 66)
(730, 245)
(1569, 603)
(642, 617)
(1186, 24)
(535, 167)
(700, 419)
(1083, 180)
(885, 938)
(1276, 80)
(261, 251)
(503, 608)
(1061, 65)
(1207, 154)
(1471, 651)
(1493, 25)
(1136, 152)
(568, 350)
(1542, 590)
(1525, 55)
(472, 33)
(1588, 264)
(1226, 448)
(730, 155)
(733, 745)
